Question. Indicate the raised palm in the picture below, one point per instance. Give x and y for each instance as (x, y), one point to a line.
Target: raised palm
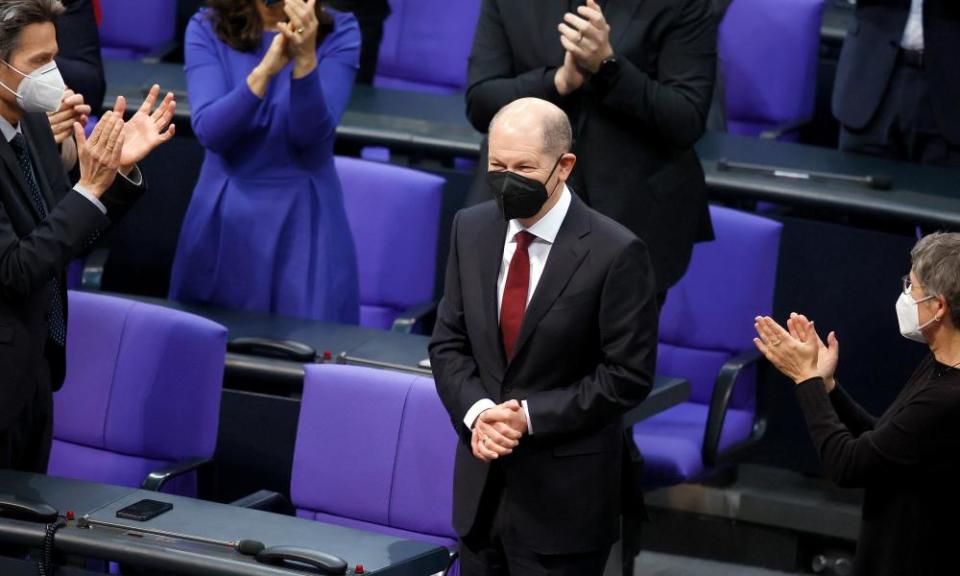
(148, 128)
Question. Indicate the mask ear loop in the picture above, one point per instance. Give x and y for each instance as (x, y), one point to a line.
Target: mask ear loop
(550, 175)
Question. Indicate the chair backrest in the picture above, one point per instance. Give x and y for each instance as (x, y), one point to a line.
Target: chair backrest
(426, 44)
(130, 30)
(142, 390)
(708, 315)
(394, 214)
(374, 447)
(769, 53)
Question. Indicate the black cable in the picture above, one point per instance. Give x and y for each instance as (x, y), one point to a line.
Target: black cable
(46, 556)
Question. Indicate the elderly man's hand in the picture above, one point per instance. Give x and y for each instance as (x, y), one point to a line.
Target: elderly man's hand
(795, 358)
(498, 430)
(586, 35)
(569, 77)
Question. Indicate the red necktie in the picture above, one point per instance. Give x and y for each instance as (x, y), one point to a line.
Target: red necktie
(515, 293)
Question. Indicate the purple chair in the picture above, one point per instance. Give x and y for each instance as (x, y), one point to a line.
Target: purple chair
(426, 44)
(394, 214)
(706, 336)
(141, 401)
(769, 50)
(375, 451)
(141, 30)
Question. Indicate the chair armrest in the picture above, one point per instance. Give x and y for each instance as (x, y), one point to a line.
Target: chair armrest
(414, 317)
(720, 403)
(159, 52)
(156, 479)
(267, 501)
(789, 126)
(93, 265)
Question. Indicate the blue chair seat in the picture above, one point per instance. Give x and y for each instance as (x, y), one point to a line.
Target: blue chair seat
(672, 441)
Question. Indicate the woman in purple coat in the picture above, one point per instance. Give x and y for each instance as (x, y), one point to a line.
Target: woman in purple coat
(266, 229)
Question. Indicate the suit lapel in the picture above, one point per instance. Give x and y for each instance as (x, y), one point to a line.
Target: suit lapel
(21, 192)
(619, 15)
(491, 256)
(40, 171)
(566, 255)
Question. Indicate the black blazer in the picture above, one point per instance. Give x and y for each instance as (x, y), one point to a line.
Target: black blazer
(870, 53)
(585, 354)
(634, 138)
(79, 59)
(33, 253)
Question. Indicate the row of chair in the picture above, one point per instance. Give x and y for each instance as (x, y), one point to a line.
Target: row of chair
(141, 401)
(768, 51)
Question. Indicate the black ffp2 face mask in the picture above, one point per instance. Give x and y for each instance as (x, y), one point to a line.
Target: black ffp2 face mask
(518, 196)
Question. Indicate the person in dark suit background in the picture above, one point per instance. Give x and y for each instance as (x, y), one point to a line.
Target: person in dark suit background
(898, 83)
(44, 222)
(545, 336)
(636, 79)
(370, 14)
(81, 66)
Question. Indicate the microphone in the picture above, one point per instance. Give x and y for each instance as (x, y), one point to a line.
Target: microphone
(870, 181)
(249, 547)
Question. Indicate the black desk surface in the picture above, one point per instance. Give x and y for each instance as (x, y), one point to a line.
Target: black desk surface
(379, 554)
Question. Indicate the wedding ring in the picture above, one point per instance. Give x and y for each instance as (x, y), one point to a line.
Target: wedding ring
(300, 30)
(776, 342)
(580, 37)
(485, 440)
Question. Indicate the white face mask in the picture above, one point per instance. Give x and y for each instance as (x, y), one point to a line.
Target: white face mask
(41, 90)
(909, 317)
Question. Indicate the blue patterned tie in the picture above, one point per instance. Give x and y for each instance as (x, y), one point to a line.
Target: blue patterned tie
(58, 323)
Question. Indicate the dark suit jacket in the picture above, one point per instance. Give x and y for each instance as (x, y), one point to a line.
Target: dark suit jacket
(585, 354)
(363, 10)
(634, 138)
(33, 253)
(870, 53)
(79, 58)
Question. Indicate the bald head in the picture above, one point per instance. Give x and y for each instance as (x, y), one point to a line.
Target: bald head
(537, 122)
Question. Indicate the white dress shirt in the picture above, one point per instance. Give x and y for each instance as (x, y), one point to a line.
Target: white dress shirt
(545, 232)
(135, 178)
(913, 32)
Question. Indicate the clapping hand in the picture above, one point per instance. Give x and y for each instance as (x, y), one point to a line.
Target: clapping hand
(301, 34)
(586, 36)
(149, 128)
(795, 353)
(100, 155)
(72, 109)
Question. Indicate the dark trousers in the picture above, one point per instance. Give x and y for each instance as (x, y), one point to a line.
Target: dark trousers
(25, 444)
(371, 33)
(905, 126)
(494, 549)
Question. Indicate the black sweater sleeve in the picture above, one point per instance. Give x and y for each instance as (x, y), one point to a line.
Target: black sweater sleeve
(893, 449)
(850, 413)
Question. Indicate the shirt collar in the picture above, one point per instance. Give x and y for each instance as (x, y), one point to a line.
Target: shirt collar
(9, 131)
(546, 228)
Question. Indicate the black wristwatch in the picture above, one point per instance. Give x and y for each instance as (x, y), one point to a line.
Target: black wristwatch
(608, 71)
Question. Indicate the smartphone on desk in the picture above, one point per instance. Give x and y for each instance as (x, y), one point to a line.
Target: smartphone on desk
(144, 510)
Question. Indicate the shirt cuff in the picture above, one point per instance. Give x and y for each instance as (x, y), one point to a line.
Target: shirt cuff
(135, 177)
(93, 199)
(526, 412)
(474, 412)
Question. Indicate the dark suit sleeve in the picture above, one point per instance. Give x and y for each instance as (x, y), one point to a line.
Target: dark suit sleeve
(28, 263)
(492, 82)
(79, 58)
(891, 451)
(850, 413)
(628, 339)
(675, 103)
(121, 196)
(451, 353)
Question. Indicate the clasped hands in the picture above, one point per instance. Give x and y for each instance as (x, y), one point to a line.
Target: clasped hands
(297, 40)
(586, 38)
(497, 431)
(798, 351)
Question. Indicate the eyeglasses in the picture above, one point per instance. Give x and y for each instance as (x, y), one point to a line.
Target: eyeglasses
(908, 284)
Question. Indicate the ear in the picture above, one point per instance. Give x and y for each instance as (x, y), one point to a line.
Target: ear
(565, 167)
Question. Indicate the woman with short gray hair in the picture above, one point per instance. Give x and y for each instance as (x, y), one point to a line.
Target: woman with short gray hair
(907, 460)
